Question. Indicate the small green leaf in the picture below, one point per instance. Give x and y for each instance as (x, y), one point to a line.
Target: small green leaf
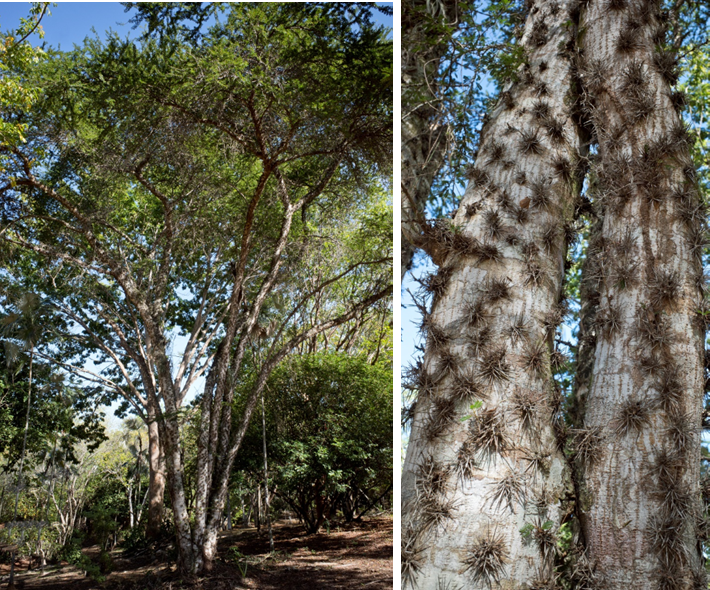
(527, 531)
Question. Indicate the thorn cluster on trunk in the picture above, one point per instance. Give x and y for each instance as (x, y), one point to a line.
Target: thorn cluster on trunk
(487, 558)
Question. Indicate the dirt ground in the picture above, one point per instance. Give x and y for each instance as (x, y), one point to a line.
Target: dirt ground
(352, 556)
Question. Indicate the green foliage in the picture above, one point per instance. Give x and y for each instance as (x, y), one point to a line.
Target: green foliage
(105, 562)
(17, 57)
(565, 537)
(240, 559)
(73, 554)
(112, 110)
(696, 86)
(482, 56)
(58, 411)
(185, 21)
(474, 407)
(527, 531)
(503, 67)
(102, 518)
(329, 431)
(134, 539)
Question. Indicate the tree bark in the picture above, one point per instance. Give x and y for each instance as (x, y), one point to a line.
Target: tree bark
(229, 510)
(189, 553)
(424, 129)
(484, 476)
(267, 501)
(258, 507)
(156, 485)
(640, 501)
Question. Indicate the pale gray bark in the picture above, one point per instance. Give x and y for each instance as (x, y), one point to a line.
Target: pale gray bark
(475, 477)
(424, 135)
(640, 497)
(267, 501)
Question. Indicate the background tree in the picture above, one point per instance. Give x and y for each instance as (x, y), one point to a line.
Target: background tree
(427, 29)
(328, 434)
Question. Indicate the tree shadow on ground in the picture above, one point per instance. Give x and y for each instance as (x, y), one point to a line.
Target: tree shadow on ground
(356, 555)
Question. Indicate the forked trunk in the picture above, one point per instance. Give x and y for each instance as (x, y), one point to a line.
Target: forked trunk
(484, 475)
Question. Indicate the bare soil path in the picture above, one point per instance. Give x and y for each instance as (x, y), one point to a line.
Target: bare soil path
(354, 556)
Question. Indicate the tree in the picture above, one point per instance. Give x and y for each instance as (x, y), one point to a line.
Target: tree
(450, 50)
(627, 414)
(22, 330)
(329, 435)
(16, 58)
(182, 189)
(427, 29)
(53, 497)
(644, 401)
(485, 445)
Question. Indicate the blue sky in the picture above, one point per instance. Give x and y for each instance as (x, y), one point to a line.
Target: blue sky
(71, 22)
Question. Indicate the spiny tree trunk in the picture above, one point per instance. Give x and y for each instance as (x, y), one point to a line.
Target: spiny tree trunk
(475, 477)
(424, 131)
(640, 448)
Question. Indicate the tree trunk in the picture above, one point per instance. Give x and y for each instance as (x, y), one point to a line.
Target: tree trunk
(156, 485)
(484, 474)
(229, 511)
(640, 502)
(22, 462)
(139, 511)
(258, 507)
(189, 553)
(424, 130)
(131, 514)
(267, 501)
(347, 505)
(589, 293)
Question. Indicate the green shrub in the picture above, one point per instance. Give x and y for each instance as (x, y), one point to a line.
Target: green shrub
(85, 564)
(72, 554)
(135, 539)
(105, 562)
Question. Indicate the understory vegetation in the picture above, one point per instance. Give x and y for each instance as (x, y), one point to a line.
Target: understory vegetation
(328, 419)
